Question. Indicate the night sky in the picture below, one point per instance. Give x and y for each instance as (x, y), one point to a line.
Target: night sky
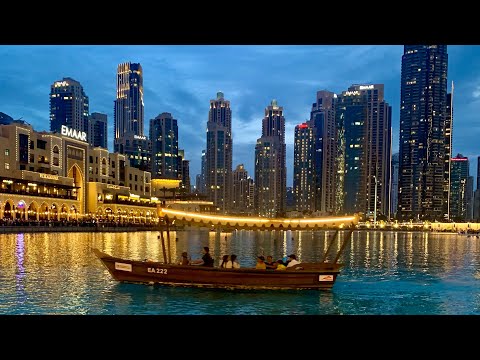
(182, 80)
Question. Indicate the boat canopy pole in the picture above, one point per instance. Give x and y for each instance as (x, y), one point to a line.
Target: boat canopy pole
(345, 242)
(163, 246)
(330, 246)
(168, 241)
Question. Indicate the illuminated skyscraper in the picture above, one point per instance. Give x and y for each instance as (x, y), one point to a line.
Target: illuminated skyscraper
(242, 194)
(448, 155)
(423, 111)
(303, 168)
(270, 167)
(365, 121)
(218, 177)
(129, 107)
(459, 192)
(322, 121)
(164, 138)
(68, 106)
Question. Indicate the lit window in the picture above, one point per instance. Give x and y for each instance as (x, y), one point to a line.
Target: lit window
(7, 152)
(7, 166)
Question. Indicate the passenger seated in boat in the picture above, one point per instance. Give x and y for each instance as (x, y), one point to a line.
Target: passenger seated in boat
(261, 263)
(224, 261)
(184, 260)
(233, 263)
(206, 259)
(270, 264)
(292, 260)
(280, 265)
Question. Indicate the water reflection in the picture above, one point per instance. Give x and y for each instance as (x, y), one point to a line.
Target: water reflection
(384, 273)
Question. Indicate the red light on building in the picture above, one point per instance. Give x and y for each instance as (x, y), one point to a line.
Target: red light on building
(302, 126)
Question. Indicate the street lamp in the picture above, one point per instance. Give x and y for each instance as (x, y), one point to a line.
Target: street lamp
(375, 204)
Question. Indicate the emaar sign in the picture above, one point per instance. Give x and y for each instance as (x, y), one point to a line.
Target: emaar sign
(74, 134)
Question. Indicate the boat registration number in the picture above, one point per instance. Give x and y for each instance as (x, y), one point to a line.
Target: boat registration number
(325, 277)
(157, 270)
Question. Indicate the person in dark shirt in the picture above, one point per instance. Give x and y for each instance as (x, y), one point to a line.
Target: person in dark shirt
(206, 259)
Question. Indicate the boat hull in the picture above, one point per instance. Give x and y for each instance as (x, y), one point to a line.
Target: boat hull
(320, 276)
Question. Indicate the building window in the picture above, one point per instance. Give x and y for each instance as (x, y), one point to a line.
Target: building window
(56, 162)
(136, 179)
(7, 166)
(7, 152)
(130, 176)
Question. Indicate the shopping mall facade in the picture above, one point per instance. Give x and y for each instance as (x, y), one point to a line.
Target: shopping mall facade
(58, 176)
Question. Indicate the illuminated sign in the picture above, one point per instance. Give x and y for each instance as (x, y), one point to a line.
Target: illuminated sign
(48, 176)
(348, 93)
(366, 87)
(116, 187)
(61, 83)
(74, 134)
(139, 137)
(21, 204)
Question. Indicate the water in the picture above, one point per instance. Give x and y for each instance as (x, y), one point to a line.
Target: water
(385, 273)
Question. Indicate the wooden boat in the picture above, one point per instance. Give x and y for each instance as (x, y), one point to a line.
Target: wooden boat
(321, 275)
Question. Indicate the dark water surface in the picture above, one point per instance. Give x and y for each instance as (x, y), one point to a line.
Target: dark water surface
(401, 273)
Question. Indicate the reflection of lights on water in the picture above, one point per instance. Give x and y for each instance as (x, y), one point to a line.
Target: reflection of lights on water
(20, 253)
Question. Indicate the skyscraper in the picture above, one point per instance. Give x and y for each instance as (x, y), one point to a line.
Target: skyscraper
(364, 120)
(203, 174)
(184, 172)
(219, 153)
(129, 107)
(164, 138)
(242, 195)
(423, 110)
(322, 121)
(68, 106)
(458, 191)
(394, 189)
(303, 168)
(448, 155)
(97, 130)
(270, 167)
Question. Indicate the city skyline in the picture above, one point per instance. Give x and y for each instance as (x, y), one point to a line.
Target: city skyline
(178, 80)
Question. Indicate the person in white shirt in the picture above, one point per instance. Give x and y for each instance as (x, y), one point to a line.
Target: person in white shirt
(292, 260)
(233, 263)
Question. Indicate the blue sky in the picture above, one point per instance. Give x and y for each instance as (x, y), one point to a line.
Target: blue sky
(182, 79)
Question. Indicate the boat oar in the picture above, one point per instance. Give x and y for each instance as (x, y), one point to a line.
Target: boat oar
(345, 242)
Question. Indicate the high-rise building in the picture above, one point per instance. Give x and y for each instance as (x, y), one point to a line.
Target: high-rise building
(448, 155)
(364, 121)
(458, 191)
(129, 106)
(394, 190)
(218, 167)
(164, 138)
(68, 106)
(137, 149)
(270, 167)
(242, 194)
(183, 171)
(322, 121)
(476, 201)
(469, 199)
(203, 175)
(423, 110)
(97, 130)
(303, 168)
